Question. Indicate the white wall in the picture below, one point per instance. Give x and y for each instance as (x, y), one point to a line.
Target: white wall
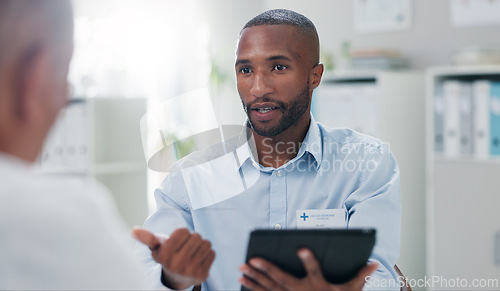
(429, 41)
(226, 18)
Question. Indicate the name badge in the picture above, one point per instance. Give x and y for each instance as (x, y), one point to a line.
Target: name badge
(321, 218)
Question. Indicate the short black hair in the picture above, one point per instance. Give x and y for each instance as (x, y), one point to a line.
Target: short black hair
(283, 17)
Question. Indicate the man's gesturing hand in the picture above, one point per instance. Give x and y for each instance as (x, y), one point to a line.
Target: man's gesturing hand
(186, 258)
(263, 275)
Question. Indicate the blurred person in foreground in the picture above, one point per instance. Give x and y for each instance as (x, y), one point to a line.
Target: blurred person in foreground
(55, 232)
(283, 165)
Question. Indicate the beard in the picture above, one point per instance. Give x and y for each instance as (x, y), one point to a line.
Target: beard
(291, 112)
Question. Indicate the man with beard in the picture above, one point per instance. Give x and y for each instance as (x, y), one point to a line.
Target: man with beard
(287, 165)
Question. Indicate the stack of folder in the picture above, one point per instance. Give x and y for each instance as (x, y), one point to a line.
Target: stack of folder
(66, 149)
(378, 59)
(467, 118)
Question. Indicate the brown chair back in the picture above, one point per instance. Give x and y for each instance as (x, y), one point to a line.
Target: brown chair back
(404, 283)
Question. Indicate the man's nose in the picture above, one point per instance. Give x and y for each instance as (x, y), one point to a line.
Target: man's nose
(260, 86)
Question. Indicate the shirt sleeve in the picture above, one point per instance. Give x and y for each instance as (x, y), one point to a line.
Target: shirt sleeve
(376, 204)
(172, 212)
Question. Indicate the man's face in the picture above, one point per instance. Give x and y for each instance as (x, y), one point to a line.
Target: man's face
(272, 73)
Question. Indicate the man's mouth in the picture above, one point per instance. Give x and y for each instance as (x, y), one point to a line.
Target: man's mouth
(265, 109)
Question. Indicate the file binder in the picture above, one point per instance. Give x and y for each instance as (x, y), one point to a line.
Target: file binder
(451, 121)
(495, 118)
(53, 157)
(481, 117)
(76, 136)
(66, 149)
(438, 119)
(466, 129)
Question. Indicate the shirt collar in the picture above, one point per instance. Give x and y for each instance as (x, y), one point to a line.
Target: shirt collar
(244, 151)
(312, 144)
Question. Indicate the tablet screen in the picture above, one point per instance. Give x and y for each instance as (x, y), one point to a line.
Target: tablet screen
(341, 252)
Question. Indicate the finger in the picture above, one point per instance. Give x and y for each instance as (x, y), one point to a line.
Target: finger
(183, 260)
(209, 259)
(169, 249)
(146, 237)
(250, 284)
(202, 252)
(202, 261)
(194, 261)
(359, 281)
(203, 269)
(259, 278)
(178, 238)
(189, 248)
(274, 273)
(311, 264)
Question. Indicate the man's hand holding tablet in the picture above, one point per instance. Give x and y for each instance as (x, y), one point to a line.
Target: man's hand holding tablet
(308, 259)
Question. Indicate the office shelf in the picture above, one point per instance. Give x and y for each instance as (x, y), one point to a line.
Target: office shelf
(101, 138)
(462, 196)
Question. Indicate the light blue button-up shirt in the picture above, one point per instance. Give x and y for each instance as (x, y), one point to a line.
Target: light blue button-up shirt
(223, 193)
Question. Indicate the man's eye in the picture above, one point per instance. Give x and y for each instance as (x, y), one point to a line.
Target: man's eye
(245, 70)
(279, 67)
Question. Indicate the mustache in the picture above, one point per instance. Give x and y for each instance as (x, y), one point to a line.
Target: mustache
(247, 106)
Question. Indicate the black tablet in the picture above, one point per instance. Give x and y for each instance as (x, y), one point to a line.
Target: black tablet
(341, 252)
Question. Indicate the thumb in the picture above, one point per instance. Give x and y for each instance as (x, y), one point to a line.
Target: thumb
(368, 269)
(146, 237)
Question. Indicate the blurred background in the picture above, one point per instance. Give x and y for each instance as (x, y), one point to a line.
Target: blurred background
(423, 75)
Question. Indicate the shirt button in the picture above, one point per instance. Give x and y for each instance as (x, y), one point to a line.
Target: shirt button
(278, 174)
(277, 226)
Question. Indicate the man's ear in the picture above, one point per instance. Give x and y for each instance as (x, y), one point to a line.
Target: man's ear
(315, 76)
(31, 82)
